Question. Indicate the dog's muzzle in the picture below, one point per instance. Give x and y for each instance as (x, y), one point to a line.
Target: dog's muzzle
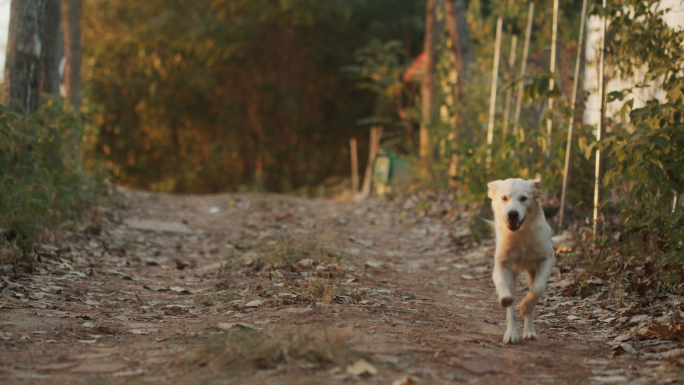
(514, 225)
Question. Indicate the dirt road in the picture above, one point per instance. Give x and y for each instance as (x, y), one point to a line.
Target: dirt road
(268, 289)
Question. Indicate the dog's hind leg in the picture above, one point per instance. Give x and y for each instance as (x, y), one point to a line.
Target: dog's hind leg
(537, 286)
(504, 280)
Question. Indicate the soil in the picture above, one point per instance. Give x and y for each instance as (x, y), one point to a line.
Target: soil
(149, 292)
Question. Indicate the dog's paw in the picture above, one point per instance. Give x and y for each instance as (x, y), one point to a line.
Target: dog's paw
(530, 335)
(506, 301)
(511, 337)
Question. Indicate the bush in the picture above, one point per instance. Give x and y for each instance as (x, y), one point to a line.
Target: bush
(42, 180)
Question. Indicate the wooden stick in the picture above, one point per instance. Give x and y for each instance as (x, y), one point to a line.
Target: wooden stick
(526, 50)
(554, 34)
(601, 127)
(571, 123)
(374, 145)
(509, 94)
(354, 166)
(492, 97)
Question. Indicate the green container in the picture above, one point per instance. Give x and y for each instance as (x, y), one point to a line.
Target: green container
(389, 170)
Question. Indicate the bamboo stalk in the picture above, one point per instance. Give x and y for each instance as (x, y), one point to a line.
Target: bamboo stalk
(492, 97)
(554, 35)
(365, 189)
(509, 94)
(526, 50)
(354, 166)
(601, 127)
(571, 123)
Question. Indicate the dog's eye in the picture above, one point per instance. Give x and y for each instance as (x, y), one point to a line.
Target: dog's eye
(504, 198)
(523, 199)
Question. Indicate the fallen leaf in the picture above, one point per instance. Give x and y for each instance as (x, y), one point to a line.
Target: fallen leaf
(623, 338)
(254, 303)
(150, 225)
(361, 241)
(181, 290)
(667, 331)
(129, 373)
(228, 326)
(98, 368)
(672, 354)
(156, 287)
(7, 292)
(404, 381)
(91, 301)
(362, 368)
(65, 266)
(306, 262)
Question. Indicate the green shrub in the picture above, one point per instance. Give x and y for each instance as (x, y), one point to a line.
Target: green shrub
(42, 180)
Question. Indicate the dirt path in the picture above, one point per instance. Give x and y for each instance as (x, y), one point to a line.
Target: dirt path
(398, 283)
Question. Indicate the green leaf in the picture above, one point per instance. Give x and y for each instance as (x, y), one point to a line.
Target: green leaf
(615, 95)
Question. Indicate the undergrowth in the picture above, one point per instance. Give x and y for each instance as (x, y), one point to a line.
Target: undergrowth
(42, 178)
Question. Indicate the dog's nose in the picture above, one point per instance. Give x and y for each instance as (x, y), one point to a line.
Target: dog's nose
(513, 215)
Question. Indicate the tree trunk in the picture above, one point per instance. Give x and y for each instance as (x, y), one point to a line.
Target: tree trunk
(53, 47)
(72, 47)
(461, 45)
(428, 84)
(24, 46)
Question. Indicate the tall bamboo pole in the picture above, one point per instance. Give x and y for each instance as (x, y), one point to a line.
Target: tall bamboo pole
(509, 94)
(549, 121)
(526, 50)
(571, 123)
(601, 126)
(492, 97)
(354, 166)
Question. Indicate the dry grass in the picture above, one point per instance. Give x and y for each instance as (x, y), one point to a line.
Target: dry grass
(249, 349)
(294, 248)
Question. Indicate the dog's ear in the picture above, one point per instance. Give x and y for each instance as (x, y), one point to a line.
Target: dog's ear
(493, 187)
(536, 189)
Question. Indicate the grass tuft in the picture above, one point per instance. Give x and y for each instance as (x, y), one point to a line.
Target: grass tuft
(247, 349)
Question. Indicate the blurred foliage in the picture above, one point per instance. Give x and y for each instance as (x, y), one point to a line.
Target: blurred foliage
(41, 177)
(647, 149)
(218, 95)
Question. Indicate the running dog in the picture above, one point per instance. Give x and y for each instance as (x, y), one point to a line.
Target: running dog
(523, 243)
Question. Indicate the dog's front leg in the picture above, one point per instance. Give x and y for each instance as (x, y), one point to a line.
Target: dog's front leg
(504, 280)
(537, 287)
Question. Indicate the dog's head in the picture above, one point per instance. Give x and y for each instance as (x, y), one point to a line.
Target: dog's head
(513, 200)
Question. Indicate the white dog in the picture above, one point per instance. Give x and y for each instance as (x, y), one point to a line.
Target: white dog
(523, 243)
